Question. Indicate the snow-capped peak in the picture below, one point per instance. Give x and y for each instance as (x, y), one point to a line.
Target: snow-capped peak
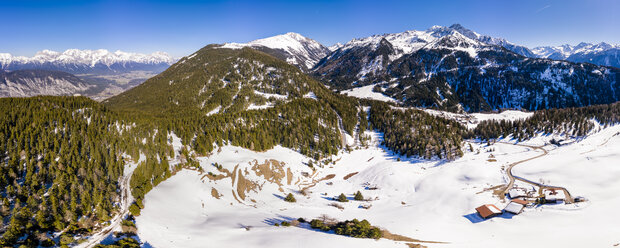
(413, 40)
(300, 50)
(87, 57)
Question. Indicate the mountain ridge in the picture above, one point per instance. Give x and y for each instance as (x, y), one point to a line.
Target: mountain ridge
(444, 68)
(292, 47)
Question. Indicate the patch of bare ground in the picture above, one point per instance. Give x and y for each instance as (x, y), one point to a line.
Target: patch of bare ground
(235, 196)
(314, 182)
(330, 176)
(214, 177)
(414, 245)
(349, 175)
(498, 190)
(336, 205)
(244, 186)
(215, 194)
(397, 237)
(289, 176)
(272, 170)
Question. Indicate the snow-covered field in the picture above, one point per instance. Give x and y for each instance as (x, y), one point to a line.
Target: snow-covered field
(425, 200)
(472, 120)
(366, 92)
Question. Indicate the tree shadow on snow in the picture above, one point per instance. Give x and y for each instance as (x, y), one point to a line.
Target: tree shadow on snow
(279, 196)
(278, 220)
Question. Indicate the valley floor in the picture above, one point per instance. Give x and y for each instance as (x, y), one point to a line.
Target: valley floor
(237, 205)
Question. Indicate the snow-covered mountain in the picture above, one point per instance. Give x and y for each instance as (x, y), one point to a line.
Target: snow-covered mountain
(88, 61)
(292, 47)
(335, 47)
(599, 54)
(413, 40)
(25, 83)
(453, 68)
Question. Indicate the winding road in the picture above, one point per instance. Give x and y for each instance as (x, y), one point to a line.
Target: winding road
(100, 235)
(513, 178)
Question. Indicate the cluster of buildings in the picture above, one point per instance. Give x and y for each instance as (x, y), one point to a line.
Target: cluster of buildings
(515, 206)
(521, 198)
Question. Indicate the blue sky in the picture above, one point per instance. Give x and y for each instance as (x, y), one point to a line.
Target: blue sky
(181, 27)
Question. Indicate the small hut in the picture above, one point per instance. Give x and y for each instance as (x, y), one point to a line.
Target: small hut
(488, 211)
(515, 206)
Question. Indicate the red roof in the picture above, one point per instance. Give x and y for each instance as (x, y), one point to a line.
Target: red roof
(488, 210)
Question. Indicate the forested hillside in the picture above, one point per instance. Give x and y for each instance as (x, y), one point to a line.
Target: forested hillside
(572, 122)
(246, 97)
(413, 132)
(61, 160)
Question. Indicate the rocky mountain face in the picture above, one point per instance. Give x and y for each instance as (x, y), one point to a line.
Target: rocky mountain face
(26, 83)
(598, 54)
(451, 68)
(293, 48)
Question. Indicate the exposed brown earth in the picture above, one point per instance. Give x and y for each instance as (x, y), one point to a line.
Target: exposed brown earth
(215, 194)
(349, 175)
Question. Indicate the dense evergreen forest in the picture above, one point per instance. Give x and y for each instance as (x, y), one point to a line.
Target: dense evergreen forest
(61, 159)
(573, 122)
(413, 132)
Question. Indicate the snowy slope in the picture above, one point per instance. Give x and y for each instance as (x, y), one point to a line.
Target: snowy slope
(366, 92)
(299, 50)
(426, 200)
(472, 120)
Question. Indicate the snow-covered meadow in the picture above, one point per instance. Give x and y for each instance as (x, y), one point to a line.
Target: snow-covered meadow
(424, 200)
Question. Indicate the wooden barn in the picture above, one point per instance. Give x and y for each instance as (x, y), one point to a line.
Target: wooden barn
(488, 211)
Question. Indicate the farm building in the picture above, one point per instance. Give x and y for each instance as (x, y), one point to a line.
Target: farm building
(554, 196)
(515, 206)
(488, 210)
(517, 192)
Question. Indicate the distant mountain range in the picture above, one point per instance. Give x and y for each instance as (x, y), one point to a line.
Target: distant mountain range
(88, 61)
(455, 68)
(105, 73)
(599, 54)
